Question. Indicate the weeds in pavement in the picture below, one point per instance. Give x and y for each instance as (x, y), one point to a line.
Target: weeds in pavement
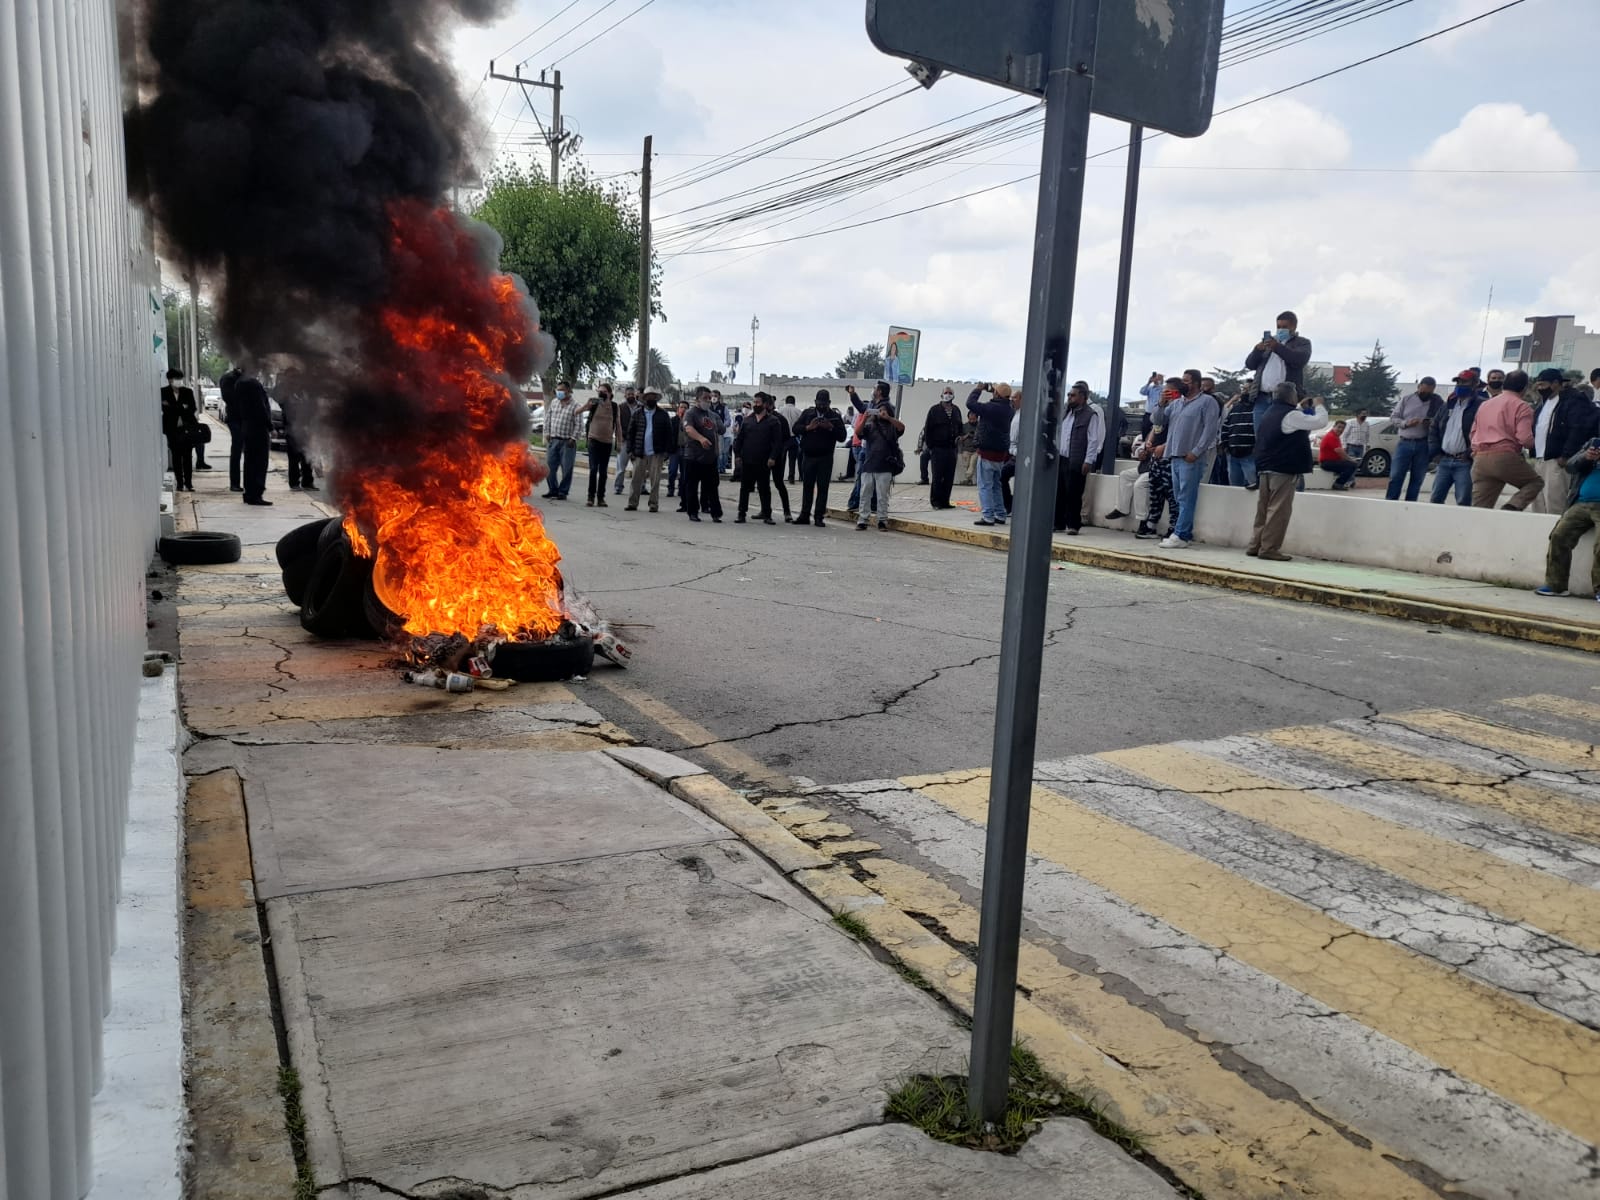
(294, 1119)
(853, 925)
(937, 1105)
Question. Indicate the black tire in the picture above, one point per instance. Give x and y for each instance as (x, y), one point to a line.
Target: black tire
(544, 662)
(384, 623)
(334, 605)
(297, 555)
(202, 548)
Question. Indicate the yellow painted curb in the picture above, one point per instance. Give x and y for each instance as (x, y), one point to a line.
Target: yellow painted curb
(764, 835)
(1378, 604)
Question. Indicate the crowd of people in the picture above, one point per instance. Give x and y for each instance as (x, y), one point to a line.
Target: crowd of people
(247, 412)
(763, 445)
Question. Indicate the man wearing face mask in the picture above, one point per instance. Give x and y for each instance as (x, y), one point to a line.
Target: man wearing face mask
(703, 434)
(820, 428)
(561, 436)
(625, 415)
(1413, 417)
(649, 444)
(1502, 430)
(1280, 357)
(1082, 434)
(1495, 382)
(940, 433)
(759, 447)
(1192, 434)
(1563, 420)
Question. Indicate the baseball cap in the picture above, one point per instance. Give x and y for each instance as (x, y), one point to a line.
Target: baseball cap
(1550, 375)
(1470, 375)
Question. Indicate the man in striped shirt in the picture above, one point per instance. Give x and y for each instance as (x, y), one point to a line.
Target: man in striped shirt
(561, 434)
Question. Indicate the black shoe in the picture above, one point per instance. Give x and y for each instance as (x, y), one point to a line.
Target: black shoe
(768, 521)
(257, 503)
(1144, 533)
(740, 519)
(236, 489)
(818, 523)
(884, 526)
(309, 487)
(1072, 533)
(551, 496)
(716, 520)
(202, 466)
(985, 521)
(1116, 514)
(694, 516)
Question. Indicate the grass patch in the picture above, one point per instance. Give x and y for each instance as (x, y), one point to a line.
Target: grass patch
(937, 1105)
(294, 1120)
(853, 925)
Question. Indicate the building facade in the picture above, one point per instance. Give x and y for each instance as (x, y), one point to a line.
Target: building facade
(1555, 341)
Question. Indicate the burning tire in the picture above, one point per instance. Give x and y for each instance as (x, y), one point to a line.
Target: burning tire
(201, 548)
(385, 624)
(297, 555)
(544, 662)
(334, 604)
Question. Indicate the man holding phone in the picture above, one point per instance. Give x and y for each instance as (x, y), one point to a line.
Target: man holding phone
(1582, 515)
(879, 430)
(1280, 357)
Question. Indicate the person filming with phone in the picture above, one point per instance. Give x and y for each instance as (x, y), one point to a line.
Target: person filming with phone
(881, 459)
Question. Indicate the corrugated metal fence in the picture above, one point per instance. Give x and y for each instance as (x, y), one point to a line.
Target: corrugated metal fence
(80, 464)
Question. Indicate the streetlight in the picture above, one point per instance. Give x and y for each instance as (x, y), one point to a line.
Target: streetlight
(755, 324)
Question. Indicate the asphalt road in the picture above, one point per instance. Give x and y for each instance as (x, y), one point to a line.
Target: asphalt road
(836, 655)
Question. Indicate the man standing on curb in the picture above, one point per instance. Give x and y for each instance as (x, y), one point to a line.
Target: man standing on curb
(180, 424)
(858, 447)
(255, 412)
(790, 414)
(1283, 455)
(941, 431)
(1191, 436)
(1412, 418)
(880, 432)
(1502, 430)
(601, 433)
(994, 447)
(1280, 357)
(561, 436)
(758, 447)
(1582, 516)
(649, 443)
(700, 457)
(625, 415)
(1564, 419)
(1450, 442)
(820, 429)
(1082, 434)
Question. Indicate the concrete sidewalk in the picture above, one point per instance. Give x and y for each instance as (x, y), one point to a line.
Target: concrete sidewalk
(1458, 603)
(516, 957)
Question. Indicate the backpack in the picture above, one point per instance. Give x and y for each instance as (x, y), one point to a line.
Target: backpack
(897, 459)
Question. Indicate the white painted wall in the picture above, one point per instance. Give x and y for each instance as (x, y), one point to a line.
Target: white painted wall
(1487, 545)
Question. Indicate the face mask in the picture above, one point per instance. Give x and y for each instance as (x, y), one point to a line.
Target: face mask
(1545, 392)
(561, 395)
(649, 403)
(1282, 335)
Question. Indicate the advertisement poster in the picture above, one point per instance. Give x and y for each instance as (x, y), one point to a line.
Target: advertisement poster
(900, 355)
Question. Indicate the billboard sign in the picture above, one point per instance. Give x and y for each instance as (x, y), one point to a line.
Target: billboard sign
(900, 355)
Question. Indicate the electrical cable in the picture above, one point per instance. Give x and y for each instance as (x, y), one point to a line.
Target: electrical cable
(603, 32)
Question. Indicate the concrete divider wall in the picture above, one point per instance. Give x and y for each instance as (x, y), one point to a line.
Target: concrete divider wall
(1490, 546)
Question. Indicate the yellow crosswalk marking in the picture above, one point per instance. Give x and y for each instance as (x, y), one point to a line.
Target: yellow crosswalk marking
(1543, 1062)
(1492, 736)
(1561, 706)
(1553, 904)
(1248, 1136)
(1241, 1143)
(1371, 759)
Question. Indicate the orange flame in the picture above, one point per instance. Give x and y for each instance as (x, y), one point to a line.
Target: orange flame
(457, 547)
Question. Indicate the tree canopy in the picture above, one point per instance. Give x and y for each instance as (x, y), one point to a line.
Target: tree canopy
(1373, 383)
(865, 363)
(577, 248)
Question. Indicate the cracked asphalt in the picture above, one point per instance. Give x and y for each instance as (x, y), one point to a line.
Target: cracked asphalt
(835, 655)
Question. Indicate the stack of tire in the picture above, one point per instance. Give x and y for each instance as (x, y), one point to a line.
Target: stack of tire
(332, 585)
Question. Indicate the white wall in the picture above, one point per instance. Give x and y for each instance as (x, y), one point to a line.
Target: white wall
(1488, 545)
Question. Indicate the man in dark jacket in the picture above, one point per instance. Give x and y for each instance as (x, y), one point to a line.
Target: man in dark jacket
(1450, 444)
(1563, 420)
(255, 415)
(624, 426)
(785, 452)
(759, 448)
(940, 433)
(232, 417)
(650, 442)
(994, 448)
(1280, 357)
(180, 425)
(820, 428)
(702, 433)
(879, 430)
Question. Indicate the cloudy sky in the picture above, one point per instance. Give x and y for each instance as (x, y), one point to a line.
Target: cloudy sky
(1380, 204)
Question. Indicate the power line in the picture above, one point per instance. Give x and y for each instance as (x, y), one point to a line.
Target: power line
(603, 32)
(516, 44)
(1115, 149)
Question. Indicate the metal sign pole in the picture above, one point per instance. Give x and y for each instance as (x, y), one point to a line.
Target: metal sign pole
(1055, 261)
(1119, 320)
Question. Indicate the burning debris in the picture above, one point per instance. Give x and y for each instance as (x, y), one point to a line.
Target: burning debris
(296, 153)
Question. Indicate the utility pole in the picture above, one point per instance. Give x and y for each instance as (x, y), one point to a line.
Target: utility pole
(755, 380)
(1119, 321)
(555, 137)
(644, 268)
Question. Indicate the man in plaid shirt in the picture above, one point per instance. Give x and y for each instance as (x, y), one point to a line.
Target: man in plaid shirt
(561, 434)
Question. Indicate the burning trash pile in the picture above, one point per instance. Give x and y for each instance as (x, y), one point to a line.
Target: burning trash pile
(327, 136)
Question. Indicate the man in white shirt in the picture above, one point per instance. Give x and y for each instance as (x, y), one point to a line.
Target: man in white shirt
(791, 414)
(1358, 436)
(1283, 455)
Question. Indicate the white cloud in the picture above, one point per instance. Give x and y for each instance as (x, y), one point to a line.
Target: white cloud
(1498, 134)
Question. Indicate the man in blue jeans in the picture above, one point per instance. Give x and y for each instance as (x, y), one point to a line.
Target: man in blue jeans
(1192, 433)
(1450, 442)
(994, 448)
(1413, 418)
(561, 432)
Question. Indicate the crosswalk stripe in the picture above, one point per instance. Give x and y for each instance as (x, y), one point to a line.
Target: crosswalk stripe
(1565, 751)
(1171, 1087)
(1525, 1054)
(1578, 710)
(1373, 760)
(1374, 1085)
(1565, 909)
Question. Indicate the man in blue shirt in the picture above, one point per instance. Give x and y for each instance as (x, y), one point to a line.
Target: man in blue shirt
(1582, 515)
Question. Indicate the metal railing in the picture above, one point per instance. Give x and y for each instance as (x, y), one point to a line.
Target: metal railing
(80, 465)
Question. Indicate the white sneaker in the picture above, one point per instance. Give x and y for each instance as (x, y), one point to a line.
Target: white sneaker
(1173, 543)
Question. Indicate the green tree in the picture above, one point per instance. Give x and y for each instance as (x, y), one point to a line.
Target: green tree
(175, 308)
(1373, 384)
(1319, 383)
(865, 363)
(659, 371)
(1230, 383)
(577, 248)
